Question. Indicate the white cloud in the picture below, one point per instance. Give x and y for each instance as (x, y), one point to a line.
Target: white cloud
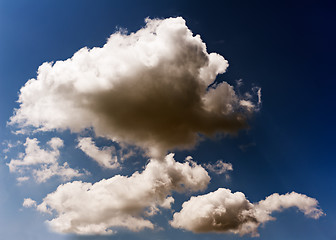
(148, 88)
(276, 202)
(105, 157)
(85, 208)
(22, 179)
(223, 211)
(42, 162)
(28, 202)
(34, 155)
(219, 167)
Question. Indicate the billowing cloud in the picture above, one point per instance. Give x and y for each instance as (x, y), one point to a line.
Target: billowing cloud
(153, 88)
(43, 163)
(219, 167)
(224, 211)
(85, 208)
(105, 157)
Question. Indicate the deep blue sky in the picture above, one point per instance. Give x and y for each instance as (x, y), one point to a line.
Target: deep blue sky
(288, 49)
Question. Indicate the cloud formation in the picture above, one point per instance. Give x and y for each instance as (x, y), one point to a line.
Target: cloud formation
(224, 211)
(153, 88)
(219, 167)
(46, 161)
(105, 157)
(28, 202)
(121, 201)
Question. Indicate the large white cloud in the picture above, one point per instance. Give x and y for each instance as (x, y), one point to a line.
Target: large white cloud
(43, 163)
(224, 211)
(85, 208)
(149, 88)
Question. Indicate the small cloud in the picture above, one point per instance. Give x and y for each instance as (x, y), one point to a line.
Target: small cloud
(219, 167)
(9, 145)
(28, 202)
(105, 157)
(244, 147)
(259, 95)
(22, 179)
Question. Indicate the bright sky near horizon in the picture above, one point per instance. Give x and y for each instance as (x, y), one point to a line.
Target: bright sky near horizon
(163, 120)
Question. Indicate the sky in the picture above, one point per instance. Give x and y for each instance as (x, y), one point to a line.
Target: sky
(174, 119)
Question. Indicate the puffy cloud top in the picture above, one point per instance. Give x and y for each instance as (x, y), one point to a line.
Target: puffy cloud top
(149, 88)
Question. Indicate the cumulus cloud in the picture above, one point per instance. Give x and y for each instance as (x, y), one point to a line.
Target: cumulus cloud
(43, 163)
(28, 202)
(105, 157)
(219, 167)
(224, 211)
(153, 88)
(121, 201)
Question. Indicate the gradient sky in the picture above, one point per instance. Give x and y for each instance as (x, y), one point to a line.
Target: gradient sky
(287, 49)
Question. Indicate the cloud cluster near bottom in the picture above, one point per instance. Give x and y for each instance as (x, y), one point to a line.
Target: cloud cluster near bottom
(224, 211)
(129, 202)
(121, 201)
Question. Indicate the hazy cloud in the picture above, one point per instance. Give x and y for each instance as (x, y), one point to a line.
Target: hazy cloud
(22, 179)
(121, 201)
(149, 88)
(223, 211)
(219, 167)
(9, 145)
(43, 163)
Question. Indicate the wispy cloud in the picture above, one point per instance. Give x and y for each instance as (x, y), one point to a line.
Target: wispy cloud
(219, 167)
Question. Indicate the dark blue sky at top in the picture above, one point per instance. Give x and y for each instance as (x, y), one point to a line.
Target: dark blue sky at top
(288, 49)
